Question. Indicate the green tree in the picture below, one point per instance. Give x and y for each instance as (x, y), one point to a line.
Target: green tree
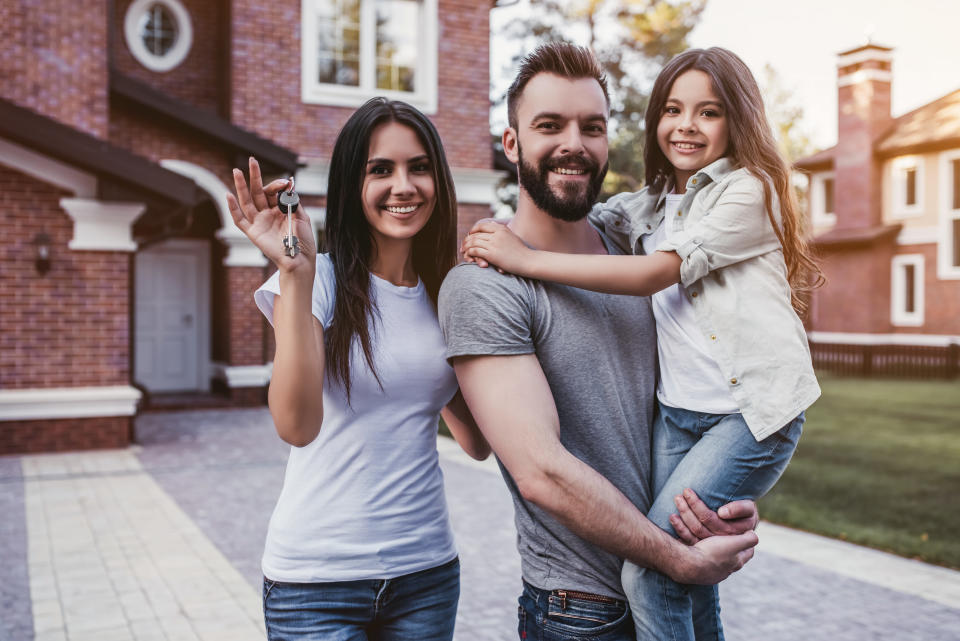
(785, 116)
(632, 39)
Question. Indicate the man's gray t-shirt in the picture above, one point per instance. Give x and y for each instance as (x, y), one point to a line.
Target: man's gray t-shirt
(599, 355)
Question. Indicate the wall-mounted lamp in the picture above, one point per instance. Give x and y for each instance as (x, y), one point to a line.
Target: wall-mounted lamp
(41, 243)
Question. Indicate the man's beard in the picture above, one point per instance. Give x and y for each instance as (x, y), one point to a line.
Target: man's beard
(577, 198)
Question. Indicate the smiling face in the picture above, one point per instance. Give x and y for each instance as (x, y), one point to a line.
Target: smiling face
(692, 131)
(398, 193)
(560, 144)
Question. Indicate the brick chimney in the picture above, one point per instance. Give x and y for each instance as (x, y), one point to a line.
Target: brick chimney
(863, 100)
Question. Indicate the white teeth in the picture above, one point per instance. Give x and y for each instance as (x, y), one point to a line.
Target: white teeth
(569, 172)
(686, 145)
(401, 210)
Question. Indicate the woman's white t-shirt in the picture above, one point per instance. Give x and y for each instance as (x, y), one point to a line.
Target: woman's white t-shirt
(365, 499)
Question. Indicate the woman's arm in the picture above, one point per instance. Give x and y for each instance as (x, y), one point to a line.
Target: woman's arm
(295, 396)
(633, 275)
(458, 418)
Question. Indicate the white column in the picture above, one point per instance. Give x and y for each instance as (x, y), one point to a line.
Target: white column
(102, 226)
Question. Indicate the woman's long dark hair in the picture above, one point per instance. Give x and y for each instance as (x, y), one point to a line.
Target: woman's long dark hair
(752, 145)
(350, 241)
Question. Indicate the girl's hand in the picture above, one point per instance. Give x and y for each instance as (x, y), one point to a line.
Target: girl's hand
(255, 212)
(493, 243)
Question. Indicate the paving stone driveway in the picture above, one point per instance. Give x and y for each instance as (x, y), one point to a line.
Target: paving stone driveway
(223, 469)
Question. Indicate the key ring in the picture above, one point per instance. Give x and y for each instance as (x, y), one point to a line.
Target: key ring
(287, 201)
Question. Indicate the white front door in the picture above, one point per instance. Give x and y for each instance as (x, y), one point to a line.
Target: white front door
(172, 283)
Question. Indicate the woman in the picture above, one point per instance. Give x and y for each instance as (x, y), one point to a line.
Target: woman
(359, 544)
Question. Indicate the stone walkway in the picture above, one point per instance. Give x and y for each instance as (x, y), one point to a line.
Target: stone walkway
(162, 541)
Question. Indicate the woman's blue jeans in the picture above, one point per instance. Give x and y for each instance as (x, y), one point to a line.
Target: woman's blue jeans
(422, 605)
(717, 457)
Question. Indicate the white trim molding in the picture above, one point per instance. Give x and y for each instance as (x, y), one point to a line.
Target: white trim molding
(899, 314)
(311, 176)
(949, 216)
(864, 55)
(181, 46)
(68, 402)
(898, 173)
(207, 181)
(853, 338)
(241, 252)
(926, 235)
(242, 375)
(427, 36)
(880, 75)
(102, 226)
(44, 168)
(819, 216)
(477, 185)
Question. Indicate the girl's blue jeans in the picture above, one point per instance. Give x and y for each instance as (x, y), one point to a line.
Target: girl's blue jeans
(717, 457)
(421, 605)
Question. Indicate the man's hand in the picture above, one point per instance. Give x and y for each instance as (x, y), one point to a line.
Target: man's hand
(695, 521)
(714, 559)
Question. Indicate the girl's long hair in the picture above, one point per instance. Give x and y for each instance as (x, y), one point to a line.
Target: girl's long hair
(349, 238)
(752, 145)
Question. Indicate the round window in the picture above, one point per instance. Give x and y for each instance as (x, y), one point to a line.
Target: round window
(158, 33)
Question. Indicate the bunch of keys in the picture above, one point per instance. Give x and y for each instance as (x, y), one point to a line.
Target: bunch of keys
(288, 201)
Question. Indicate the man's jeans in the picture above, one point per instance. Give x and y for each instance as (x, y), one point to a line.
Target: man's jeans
(422, 605)
(717, 457)
(548, 616)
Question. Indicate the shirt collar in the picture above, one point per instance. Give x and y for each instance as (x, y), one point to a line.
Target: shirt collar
(715, 171)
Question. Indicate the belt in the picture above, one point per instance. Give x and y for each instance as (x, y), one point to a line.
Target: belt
(563, 595)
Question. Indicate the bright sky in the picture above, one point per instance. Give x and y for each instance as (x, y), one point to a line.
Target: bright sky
(800, 39)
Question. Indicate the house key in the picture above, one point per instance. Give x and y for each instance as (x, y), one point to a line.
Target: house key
(288, 201)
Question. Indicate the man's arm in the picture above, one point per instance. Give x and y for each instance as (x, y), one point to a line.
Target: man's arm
(512, 403)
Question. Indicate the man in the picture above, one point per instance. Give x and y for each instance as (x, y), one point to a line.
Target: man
(561, 381)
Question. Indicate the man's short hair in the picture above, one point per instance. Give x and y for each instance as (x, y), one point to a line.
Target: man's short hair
(560, 58)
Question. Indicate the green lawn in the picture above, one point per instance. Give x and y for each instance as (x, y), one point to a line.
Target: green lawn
(878, 464)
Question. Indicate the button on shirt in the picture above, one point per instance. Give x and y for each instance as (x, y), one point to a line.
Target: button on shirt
(734, 273)
(689, 376)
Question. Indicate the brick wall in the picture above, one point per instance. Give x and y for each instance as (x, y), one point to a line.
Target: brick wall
(158, 140)
(467, 215)
(863, 114)
(265, 68)
(69, 328)
(856, 297)
(65, 434)
(245, 323)
(197, 79)
(54, 60)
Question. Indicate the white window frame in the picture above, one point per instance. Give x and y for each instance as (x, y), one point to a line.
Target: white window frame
(898, 290)
(948, 214)
(899, 167)
(819, 216)
(177, 54)
(313, 92)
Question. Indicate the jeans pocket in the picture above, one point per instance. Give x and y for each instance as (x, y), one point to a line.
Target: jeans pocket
(268, 585)
(582, 618)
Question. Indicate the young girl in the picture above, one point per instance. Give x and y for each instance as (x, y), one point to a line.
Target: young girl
(726, 264)
(359, 545)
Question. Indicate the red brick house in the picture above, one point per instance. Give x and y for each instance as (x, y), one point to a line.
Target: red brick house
(885, 206)
(121, 272)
